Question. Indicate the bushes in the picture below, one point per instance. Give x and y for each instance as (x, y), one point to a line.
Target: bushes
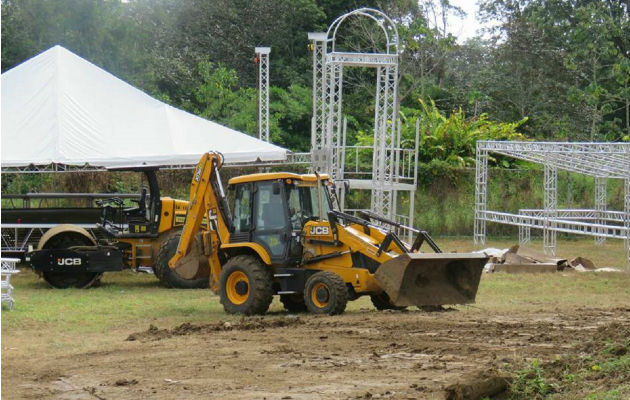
(452, 138)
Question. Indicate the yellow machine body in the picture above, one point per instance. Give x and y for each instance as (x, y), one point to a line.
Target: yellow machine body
(321, 255)
(142, 251)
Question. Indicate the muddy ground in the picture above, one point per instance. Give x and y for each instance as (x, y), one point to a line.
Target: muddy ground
(358, 355)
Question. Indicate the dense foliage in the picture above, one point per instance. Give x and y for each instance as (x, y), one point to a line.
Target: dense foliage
(550, 69)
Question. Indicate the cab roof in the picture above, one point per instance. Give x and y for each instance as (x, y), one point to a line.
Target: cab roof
(270, 176)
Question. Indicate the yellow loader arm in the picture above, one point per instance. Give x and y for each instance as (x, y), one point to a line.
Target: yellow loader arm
(207, 199)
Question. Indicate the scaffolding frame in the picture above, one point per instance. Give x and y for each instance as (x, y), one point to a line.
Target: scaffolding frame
(329, 149)
(602, 161)
(262, 57)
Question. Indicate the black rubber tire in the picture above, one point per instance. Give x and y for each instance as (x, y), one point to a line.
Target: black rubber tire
(65, 280)
(382, 302)
(166, 275)
(260, 288)
(337, 292)
(293, 303)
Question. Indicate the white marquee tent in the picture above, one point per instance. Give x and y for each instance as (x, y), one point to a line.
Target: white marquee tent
(59, 109)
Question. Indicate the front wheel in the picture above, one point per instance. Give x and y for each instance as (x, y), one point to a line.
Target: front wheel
(65, 239)
(325, 293)
(245, 286)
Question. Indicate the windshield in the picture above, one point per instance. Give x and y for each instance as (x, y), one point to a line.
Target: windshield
(303, 202)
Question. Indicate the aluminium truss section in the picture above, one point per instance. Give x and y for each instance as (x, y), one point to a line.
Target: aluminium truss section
(481, 194)
(333, 127)
(262, 58)
(318, 46)
(48, 168)
(604, 220)
(16, 238)
(327, 140)
(292, 158)
(550, 202)
(627, 210)
(600, 160)
(385, 138)
(600, 203)
(560, 225)
(606, 160)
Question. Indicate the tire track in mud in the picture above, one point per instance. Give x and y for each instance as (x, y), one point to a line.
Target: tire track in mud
(398, 355)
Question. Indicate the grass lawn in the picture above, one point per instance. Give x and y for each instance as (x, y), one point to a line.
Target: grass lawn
(127, 299)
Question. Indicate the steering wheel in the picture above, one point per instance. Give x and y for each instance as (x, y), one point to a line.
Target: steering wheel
(115, 200)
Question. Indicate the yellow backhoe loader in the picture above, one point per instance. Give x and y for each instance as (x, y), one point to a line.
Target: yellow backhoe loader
(279, 234)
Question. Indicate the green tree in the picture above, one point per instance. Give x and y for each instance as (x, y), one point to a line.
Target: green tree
(564, 63)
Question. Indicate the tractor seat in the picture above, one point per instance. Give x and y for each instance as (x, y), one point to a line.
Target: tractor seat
(138, 214)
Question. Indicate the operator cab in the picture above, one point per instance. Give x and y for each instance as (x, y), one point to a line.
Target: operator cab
(142, 219)
(271, 210)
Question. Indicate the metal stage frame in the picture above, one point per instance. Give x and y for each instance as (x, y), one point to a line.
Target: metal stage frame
(602, 161)
(262, 59)
(393, 169)
(292, 159)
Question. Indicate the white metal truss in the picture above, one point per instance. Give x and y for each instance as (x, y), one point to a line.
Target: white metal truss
(54, 167)
(481, 194)
(580, 214)
(385, 138)
(606, 160)
(600, 160)
(627, 210)
(603, 219)
(292, 158)
(333, 131)
(318, 121)
(262, 56)
(328, 146)
(600, 203)
(560, 224)
(550, 202)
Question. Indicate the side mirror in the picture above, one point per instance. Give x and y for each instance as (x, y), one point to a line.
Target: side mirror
(275, 187)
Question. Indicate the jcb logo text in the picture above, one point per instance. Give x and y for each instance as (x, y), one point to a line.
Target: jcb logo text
(68, 261)
(319, 230)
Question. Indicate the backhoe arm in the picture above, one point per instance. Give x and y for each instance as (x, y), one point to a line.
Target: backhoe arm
(207, 199)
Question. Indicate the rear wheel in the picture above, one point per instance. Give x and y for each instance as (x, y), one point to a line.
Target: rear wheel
(325, 293)
(245, 286)
(169, 277)
(293, 303)
(382, 302)
(64, 280)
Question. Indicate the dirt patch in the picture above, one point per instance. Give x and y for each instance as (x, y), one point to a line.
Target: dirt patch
(125, 382)
(481, 385)
(245, 324)
(358, 355)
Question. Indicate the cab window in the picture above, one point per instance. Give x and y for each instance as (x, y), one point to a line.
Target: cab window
(241, 210)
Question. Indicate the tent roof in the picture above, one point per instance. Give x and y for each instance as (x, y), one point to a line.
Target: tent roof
(58, 108)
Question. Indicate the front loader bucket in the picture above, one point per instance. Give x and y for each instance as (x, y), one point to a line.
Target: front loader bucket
(423, 279)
